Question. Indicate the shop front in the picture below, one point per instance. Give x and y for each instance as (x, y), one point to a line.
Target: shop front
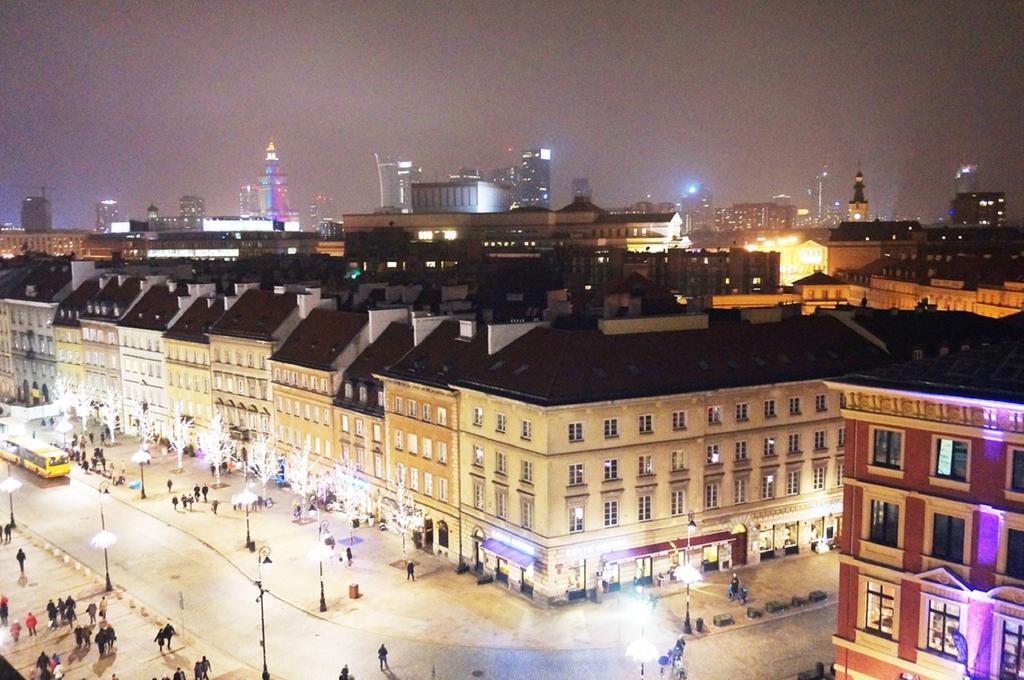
(510, 559)
(811, 527)
(656, 563)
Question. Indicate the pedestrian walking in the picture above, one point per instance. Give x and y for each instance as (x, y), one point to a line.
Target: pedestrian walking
(103, 607)
(174, 502)
(170, 485)
(21, 560)
(348, 555)
(178, 674)
(69, 610)
(78, 637)
(43, 662)
(91, 611)
(206, 667)
(3, 610)
(169, 634)
(7, 532)
(31, 623)
(195, 491)
(58, 671)
(213, 505)
(51, 613)
(205, 491)
(15, 630)
(344, 673)
(199, 670)
(160, 639)
(62, 610)
(101, 640)
(382, 656)
(410, 571)
(111, 637)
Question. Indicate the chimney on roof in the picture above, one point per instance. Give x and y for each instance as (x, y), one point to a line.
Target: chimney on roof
(500, 336)
(422, 326)
(81, 272)
(308, 301)
(467, 329)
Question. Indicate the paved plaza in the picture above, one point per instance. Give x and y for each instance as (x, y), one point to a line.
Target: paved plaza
(442, 625)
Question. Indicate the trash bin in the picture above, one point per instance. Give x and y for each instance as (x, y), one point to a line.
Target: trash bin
(353, 591)
(700, 625)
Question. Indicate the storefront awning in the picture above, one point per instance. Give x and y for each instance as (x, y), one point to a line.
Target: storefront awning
(505, 552)
(666, 547)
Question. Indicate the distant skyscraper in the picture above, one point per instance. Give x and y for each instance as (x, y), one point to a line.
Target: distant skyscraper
(535, 178)
(249, 201)
(273, 188)
(509, 177)
(107, 212)
(818, 194)
(857, 209)
(466, 174)
(967, 178)
(192, 211)
(985, 208)
(396, 178)
(35, 214)
(321, 209)
(696, 209)
(581, 187)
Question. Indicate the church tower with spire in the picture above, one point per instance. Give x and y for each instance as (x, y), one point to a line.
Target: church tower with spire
(857, 209)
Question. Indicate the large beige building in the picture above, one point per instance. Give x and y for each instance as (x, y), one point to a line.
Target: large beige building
(187, 360)
(100, 346)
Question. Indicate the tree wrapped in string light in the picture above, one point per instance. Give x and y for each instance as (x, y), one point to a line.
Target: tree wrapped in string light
(405, 517)
(262, 460)
(218, 446)
(351, 492)
(181, 435)
(83, 400)
(63, 394)
(110, 411)
(298, 473)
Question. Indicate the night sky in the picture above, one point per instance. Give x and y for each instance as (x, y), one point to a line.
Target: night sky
(147, 101)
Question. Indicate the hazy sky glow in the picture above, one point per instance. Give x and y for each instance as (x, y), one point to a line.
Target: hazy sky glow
(146, 101)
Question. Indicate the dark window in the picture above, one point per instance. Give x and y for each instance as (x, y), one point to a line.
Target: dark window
(948, 538)
(951, 459)
(1015, 553)
(1017, 478)
(887, 451)
(885, 523)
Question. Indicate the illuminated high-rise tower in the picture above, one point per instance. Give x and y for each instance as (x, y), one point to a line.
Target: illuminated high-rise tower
(249, 201)
(273, 188)
(396, 178)
(535, 178)
(107, 212)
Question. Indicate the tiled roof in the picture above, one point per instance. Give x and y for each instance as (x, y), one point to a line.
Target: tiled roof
(155, 308)
(196, 321)
(44, 281)
(74, 304)
(551, 366)
(257, 314)
(995, 373)
(320, 337)
(393, 343)
(878, 230)
(112, 301)
(818, 279)
(442, 357)
(907, 330)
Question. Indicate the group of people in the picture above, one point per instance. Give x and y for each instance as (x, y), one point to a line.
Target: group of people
(736, 590)
(49, 666)
(202, 670)
(65, 608)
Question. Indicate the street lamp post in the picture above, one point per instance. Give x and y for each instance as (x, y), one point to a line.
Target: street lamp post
(104, 539)
(319, 552)
(263, 558)
(641, 650)
(688, 573)
(9, 486)
(142, 457)
(246, 498)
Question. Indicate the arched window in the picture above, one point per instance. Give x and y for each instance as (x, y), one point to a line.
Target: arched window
(442, 534)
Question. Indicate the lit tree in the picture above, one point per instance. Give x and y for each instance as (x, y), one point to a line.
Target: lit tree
(405, 517)
(110, 410)
(351, 491)
(297, 473)
(144, 422)
(263, 459)
(63, 394)
(83, 399)
(181, 434)
(217, 444)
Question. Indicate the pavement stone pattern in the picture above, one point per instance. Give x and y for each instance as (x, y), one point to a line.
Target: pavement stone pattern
(441, 626)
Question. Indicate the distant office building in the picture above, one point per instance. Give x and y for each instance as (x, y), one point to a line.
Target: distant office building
(466, 173)
(987, 208)
(321, 209)
(857, 209)
(107, 212)
(756, 217)
(508, 176)
(696, 209)
(396, 178)
(249, 201)
(35, 214)
(535, 179)
(581, 187)
(967, 178)
(273, 188)
(462, 196)
(192, 210)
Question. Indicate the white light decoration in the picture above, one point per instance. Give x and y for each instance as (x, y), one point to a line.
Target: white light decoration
(642, 651)
(218, 446)
(141, 457)
(10, 485)
(688, 574)
(103, 540)
(246, 497)
(320, 552)
(262, 459)
(63, 426)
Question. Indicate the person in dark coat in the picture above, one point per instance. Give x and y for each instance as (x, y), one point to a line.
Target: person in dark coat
(382, 656)
(21, 560)
(410, 571)
(160, 639)
(51, 613)
(169, 634)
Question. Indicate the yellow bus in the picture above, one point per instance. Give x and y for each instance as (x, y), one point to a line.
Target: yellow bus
(35, 455)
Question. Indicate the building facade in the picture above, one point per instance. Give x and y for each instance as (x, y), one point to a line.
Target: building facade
(187, 360)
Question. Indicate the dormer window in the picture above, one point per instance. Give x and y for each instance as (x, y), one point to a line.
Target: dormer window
(362, 394)
(348, 390)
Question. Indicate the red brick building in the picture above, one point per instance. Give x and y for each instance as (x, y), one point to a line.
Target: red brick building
(932, 567)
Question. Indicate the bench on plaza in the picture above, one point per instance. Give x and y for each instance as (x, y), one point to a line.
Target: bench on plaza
(722, 620)
(483, 580)
(798, 601)
(754, 613)
(775, 607)
(817, 596)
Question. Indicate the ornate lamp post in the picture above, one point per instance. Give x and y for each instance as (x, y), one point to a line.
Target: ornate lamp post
(142, 457)
(687, 573)
(263, 559)
(319, 553)
(9, 486)
(246, 498)
(104, 539)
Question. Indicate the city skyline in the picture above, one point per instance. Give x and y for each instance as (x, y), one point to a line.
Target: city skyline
(749, 117)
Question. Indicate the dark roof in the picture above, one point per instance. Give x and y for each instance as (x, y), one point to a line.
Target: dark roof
(320, 337)
(635, 284)
(392, 344)
(74, 304)
(581, 204)
(442, 357)
(43, 282)
(620, 218)
(550, 366)
(113, 300)
(196, 321)
(901, 230)
(155, 308)
(257, 314)
(818, 279)
(907, 330)
(995, 372)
